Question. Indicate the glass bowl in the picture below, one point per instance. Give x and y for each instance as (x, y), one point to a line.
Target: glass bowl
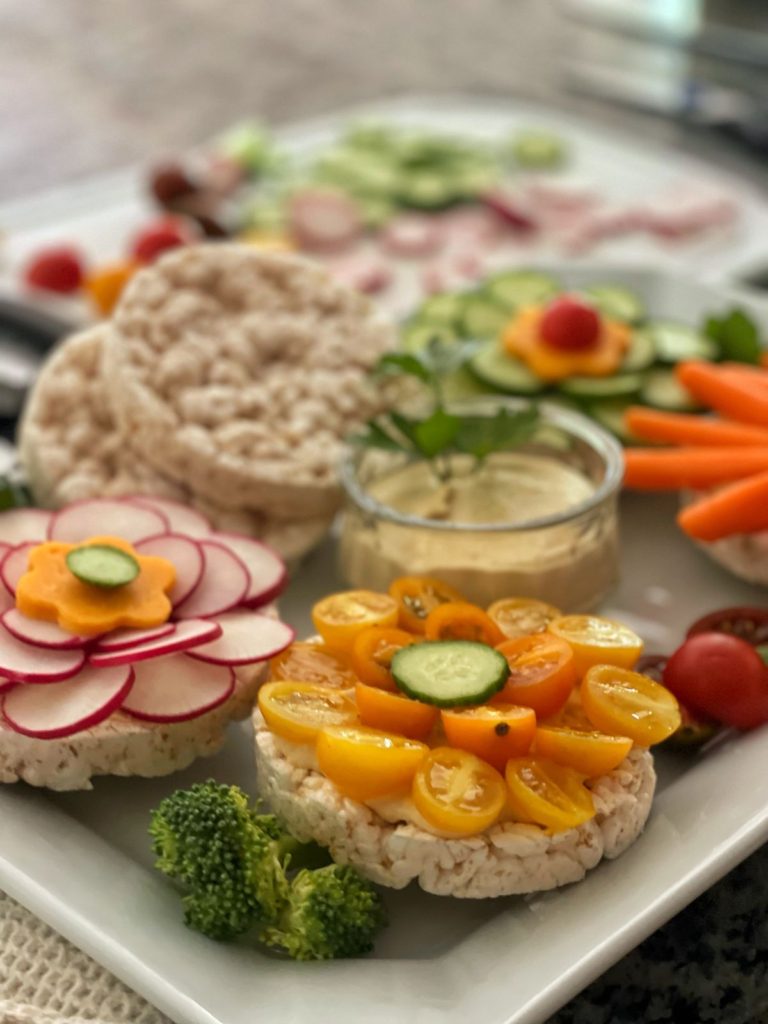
(565, 554)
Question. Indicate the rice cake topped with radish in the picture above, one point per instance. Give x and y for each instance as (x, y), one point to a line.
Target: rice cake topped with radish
(131, 633)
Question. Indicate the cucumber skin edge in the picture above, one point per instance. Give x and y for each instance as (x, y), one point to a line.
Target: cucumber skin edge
(473, 701)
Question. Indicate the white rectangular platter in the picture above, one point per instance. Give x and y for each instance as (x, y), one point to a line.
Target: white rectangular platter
(82, 861)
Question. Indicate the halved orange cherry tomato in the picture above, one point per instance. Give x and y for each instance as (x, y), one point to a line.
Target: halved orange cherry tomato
(522, 616)
(298, 711)
(459, 620)
(541, 673)
(548, 794)
(394, 712)
(367, 763)
(590, 753)
(597, 641)
(629, 704)
(417, 596)
(339, 618)
(457, 792)
(494, 732)
(372, 652)
(305, 662)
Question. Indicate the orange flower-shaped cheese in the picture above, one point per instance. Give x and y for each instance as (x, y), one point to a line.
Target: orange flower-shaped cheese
(522, 338)
(50, 591)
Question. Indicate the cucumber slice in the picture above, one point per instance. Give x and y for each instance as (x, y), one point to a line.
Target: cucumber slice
(662, 390)
(675, 342)
(538, 149)
(446, 309)
(610, 414)
(482, 318)
(641, 353)
(515, 288)
(449, 673)
(417, 334)
(620, 385)
(615, 302)
(102, 565)
(426, 191)
(492, 366)
(462, 385)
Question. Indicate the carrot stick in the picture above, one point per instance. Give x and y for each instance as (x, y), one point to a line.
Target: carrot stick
(683, 428)
(670, 469)
(741, 507)
(750, 376)
(746, 403)
(764, 360)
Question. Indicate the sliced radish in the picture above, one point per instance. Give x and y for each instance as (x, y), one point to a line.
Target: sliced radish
(224, 585)
(188, 633)
(15, 564)
(119, 639)
(245, 637)
(265, 567)
(323, 218)
(6, 600)
(50, 712)
(40, 633)
(187, 557)
(20, 524)
(365, 274)
(181, 518)
(7, 684)
(412, 235)
(28, 664)
(508, 209)
(177, 688)
(106, 517)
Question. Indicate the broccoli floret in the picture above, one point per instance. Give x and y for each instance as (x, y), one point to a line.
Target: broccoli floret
(331, 912)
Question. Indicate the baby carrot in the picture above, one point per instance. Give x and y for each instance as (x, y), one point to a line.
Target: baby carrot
(671, 469)
(744, 402)
(683, 428)
(741, 507)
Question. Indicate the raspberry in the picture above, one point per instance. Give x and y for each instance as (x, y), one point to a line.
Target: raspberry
(570, 325)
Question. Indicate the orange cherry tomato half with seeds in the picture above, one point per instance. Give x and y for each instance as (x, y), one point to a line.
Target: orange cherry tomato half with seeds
(458, 793)
(305, 662)
(597, 641)
(367, 763)
(618, 701)
(522, 616)
(587, 752)
(544, 793)
(541, 673)
(393, 712)
(417, 596)
(339, 618)
(494, 732)
(459, 620)
(372, 652)
(298, 711)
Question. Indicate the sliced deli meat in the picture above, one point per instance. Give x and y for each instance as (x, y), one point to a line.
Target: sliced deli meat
(100, 516)
(245, 638)
(21, 524)
(25, 663)
(224, 583)
(187, 634)
(40, 633)
(265, 567)
(187, 558)
(177, 688)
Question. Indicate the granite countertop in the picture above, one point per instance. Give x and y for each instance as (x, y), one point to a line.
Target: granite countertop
(86, 88)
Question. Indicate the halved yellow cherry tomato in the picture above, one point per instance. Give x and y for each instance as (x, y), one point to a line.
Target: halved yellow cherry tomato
(522, 616)
(590, 753)
(457, 792)
(368, 763)
(394, 712)
(372, 652)
(544, 793)
(460, 620)
(417, 596)
(616, 700)
(541, 673)
(597, 641)
(305, 662)
(494, 732)
(339, 618)
(298, 711)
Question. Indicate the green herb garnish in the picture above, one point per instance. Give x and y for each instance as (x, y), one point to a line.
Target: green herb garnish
(736, 335)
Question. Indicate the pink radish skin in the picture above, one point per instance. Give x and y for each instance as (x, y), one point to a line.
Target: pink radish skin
(188, 633)
(412, 235)
(265, 567)
(6, 600)
(6, 684)
(187, 558)
(39, 633)
(119, 639)
(24, 663)
(50, 712)
(176, 689)
(224, 585)
(99, 517)
(21, 524)
(15, 564)
(245, 638)
(181, 518)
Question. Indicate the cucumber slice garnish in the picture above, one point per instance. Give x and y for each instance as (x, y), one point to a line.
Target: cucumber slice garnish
(417, 334)
(482, 318)
(620, 385)
(515, 288)
(449, 673)
(615, 302)
(675, 342)
(426, 191)
(462, 385)
(609, 413)
(492, 366)
(102, 565)
(662, 390)
(538, 149)
(641, 353)
(442, 309)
